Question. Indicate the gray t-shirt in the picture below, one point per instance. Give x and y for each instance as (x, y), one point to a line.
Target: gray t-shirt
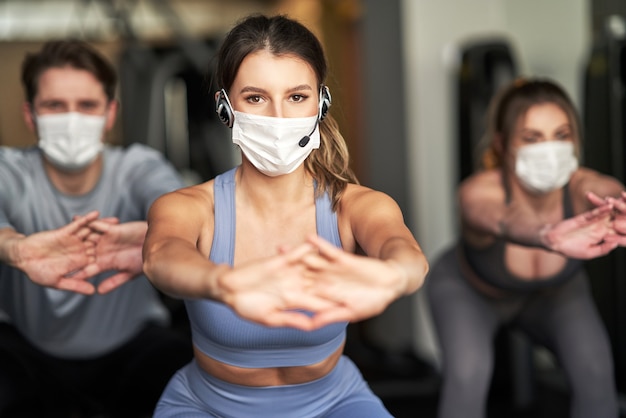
(63, 323)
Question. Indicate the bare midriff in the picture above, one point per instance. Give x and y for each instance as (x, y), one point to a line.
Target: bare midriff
(271, 376)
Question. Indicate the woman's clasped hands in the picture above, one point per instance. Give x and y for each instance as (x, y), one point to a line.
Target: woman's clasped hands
(616, 234)
(591, 234)
(310, 285)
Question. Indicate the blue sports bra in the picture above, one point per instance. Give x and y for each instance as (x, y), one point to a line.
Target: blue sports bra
(488, 263)
(220, 333)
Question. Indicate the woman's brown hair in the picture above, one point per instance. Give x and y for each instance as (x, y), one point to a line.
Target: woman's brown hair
(511, 103)
(280, 35)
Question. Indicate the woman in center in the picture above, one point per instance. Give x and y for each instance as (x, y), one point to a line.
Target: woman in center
(276, 256)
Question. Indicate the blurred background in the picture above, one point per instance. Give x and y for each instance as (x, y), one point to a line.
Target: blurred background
(410, 81)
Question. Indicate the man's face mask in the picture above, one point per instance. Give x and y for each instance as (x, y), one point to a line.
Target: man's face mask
(545, 166)
(273, 145)
(70, 141)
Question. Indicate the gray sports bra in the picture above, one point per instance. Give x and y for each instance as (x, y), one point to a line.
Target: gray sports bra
(488, 263)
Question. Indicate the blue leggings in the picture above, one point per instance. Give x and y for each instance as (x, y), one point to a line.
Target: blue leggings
(342, 393)
(562, 317)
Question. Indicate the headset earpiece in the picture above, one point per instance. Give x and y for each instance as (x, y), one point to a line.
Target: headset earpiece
(325, 102)
(224, 109)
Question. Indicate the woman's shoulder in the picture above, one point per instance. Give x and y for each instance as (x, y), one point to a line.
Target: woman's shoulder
(187, 198)
(357, 198)
(585, 180)
(200, 191)
(359, 191)
(586, 174)
(486, 181)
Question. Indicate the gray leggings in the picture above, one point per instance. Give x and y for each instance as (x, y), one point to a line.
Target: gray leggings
(563, 318)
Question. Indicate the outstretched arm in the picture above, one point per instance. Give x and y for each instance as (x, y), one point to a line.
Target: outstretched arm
(485, 214)
(52, 258)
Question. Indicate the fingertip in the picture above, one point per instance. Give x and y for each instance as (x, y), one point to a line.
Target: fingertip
(84, 288)
(94, 214)
(340, 314)
(103, 290)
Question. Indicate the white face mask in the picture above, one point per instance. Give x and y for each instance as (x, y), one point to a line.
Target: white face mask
(272, 144)
(70, 141)
(545, 166)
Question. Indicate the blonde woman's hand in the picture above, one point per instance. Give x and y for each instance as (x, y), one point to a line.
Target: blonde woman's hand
(276, 291)
(359, 287)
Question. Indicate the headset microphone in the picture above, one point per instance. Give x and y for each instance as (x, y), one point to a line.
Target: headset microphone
(305, 139)
(324, 104)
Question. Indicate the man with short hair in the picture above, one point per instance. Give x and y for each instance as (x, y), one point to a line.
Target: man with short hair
(83, 332)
